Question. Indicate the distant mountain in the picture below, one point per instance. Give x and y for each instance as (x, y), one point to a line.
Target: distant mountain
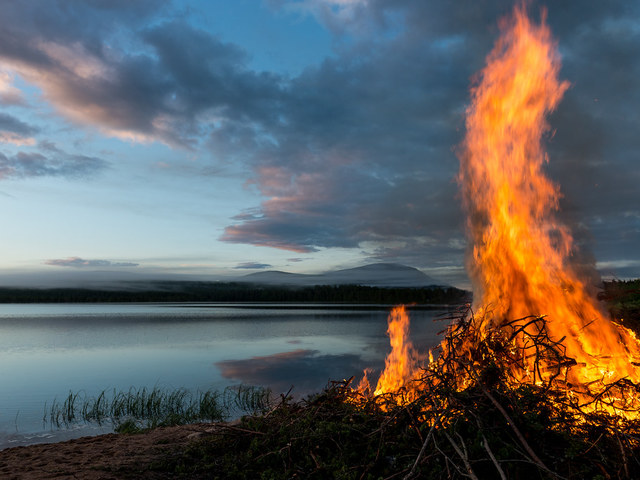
(276, 277)
(375, 275)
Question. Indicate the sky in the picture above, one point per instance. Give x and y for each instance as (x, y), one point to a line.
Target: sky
(192, 139)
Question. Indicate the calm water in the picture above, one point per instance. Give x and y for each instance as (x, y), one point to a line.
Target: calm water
(48, 350)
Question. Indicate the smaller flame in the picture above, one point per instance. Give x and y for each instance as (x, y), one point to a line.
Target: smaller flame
(402, 365)
(364, 387)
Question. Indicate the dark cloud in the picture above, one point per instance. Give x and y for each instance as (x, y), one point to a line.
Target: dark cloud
(252, 266)
(365, 155)
(180, 81)
(11, 124)
(78, 262)
(305, 369)
(87, 21)
(13, 130)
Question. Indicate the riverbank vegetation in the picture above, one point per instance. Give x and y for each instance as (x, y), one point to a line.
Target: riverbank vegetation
(135, 410)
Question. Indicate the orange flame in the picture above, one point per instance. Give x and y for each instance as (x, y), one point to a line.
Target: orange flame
(520, 257)
(401, 365)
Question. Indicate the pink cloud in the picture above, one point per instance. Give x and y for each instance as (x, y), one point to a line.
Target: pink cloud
(16, 138)
(9, 95)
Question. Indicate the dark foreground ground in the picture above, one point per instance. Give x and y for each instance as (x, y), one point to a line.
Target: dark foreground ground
(105, 457)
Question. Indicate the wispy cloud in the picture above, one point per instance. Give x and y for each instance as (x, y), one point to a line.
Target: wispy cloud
(52, 164)
(9, 94)
(15, 131)
(180, 81)
(78, 262)
(252, 266)
(342, 17)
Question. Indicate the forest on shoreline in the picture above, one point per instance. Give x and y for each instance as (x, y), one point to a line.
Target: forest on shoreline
(622, 297)
(239, 292)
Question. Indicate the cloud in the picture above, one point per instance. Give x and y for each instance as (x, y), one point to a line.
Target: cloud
(78, 262)
(10, 95)
(52, 163)
(363, 155)
(253, 266)
(341, 17)
(179, 82)
(15, 131)
(12, 124)
(344, 155)
(364, 152)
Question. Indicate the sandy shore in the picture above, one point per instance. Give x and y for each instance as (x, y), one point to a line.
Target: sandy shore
(104, 457)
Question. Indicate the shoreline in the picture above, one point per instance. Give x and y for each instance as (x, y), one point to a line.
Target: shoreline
(106, 456)
(19, 439)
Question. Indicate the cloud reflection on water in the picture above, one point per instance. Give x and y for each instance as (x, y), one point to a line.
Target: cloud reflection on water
(304, 369)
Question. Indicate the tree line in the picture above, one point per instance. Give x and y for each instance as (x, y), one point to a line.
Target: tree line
(239, 292)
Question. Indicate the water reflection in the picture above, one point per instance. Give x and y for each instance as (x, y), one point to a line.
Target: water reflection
(48, 350)
(302, 370)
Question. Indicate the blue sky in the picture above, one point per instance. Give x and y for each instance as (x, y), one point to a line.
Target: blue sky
(220, 137)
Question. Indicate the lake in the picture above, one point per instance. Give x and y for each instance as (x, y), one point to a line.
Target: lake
(47, 350)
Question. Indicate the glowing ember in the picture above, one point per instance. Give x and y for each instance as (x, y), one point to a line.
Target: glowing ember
(519, 262)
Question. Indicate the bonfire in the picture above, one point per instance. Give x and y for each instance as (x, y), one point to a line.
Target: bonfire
(535, 329)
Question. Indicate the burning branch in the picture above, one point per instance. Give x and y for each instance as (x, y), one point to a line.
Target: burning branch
(478, 365)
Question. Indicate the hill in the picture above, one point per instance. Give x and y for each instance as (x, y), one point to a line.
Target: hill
(374, 275)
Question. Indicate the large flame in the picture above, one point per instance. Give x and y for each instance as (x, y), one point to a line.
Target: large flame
(520, 257)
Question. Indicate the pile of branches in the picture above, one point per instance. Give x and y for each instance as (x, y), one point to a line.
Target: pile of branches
(470, 419)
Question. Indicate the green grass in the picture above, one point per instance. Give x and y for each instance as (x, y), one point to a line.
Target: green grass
(147, 408)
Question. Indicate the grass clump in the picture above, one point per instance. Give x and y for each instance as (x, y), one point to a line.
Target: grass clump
(138, 409)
